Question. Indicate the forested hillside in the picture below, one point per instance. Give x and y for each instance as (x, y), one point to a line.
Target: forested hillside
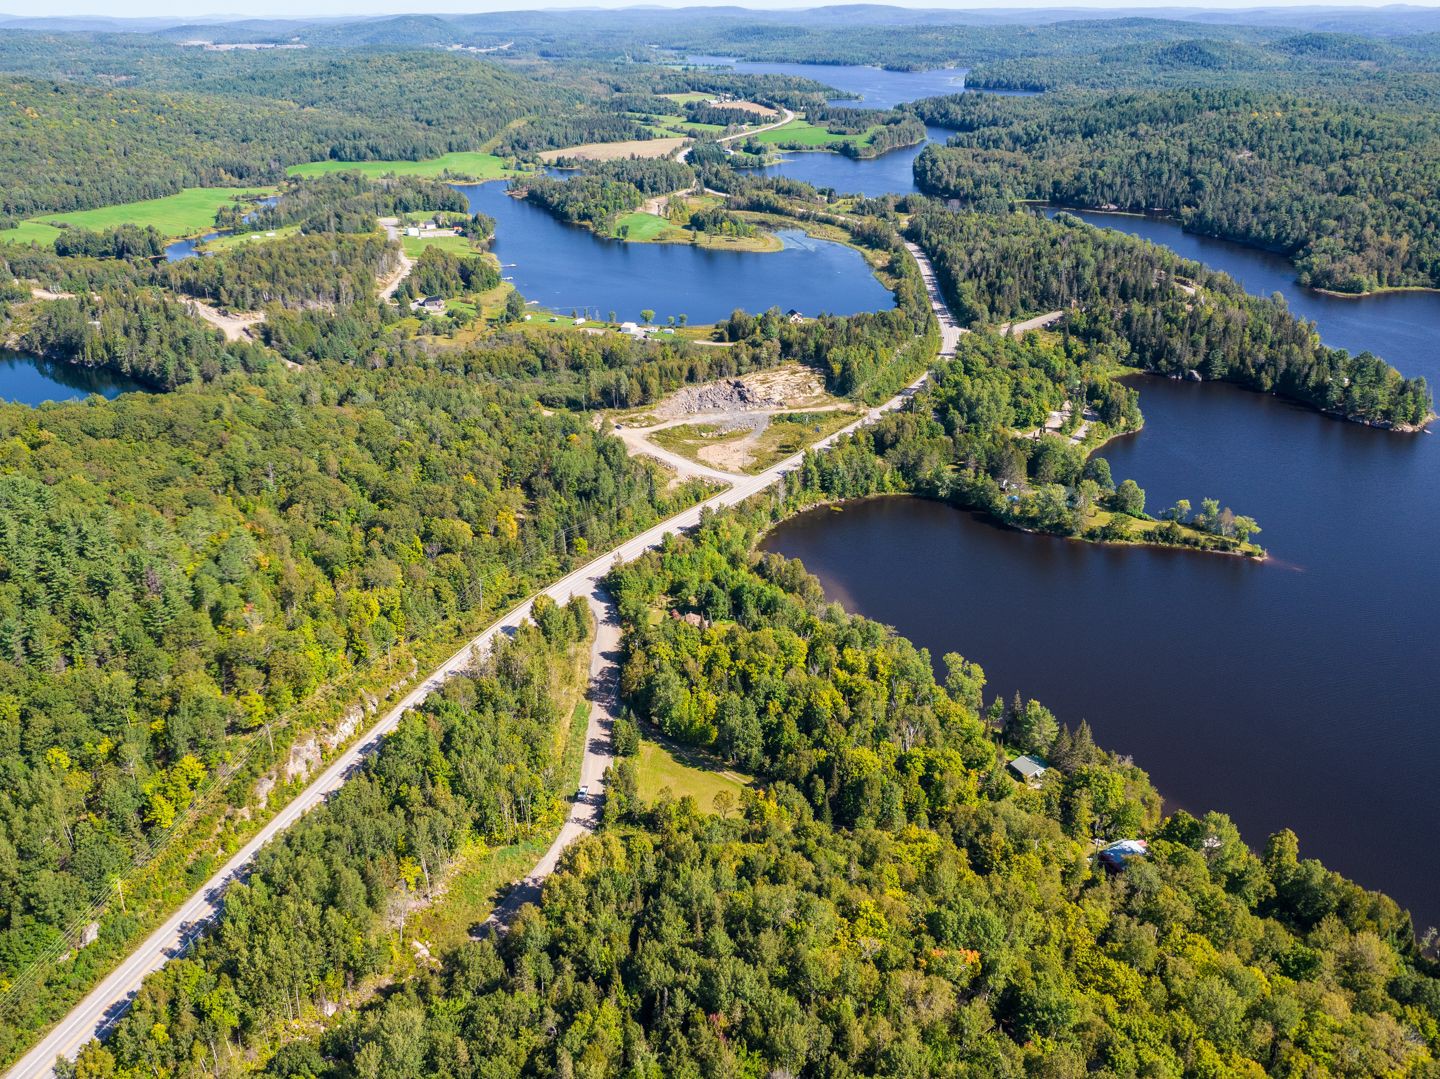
(1343, 189)
(181, 570)
(208, 119)
(1161, 312)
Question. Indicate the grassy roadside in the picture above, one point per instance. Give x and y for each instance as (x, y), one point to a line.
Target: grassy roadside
(223, 816)
(473, 883)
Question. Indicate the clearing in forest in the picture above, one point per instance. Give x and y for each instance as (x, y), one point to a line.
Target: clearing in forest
(476, 166)
(613, 151)
(184, 213)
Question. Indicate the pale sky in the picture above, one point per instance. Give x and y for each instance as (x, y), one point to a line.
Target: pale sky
(189, 10)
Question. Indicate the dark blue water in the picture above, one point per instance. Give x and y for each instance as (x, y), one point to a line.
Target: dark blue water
(1298, 693)
(566, 268)
(31, 380)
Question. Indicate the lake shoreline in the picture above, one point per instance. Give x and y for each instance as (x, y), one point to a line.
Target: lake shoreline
(1169, 219)
(982, 514)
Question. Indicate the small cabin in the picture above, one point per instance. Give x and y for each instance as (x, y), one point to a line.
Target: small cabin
(1119, 854)
(794, 316)
(435, 305)
(1028, 769)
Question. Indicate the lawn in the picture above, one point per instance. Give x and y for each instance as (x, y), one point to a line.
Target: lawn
(475, 165)
(683, 773)
(185, 213)
(640, 226)
(460, 245)
(686, 98)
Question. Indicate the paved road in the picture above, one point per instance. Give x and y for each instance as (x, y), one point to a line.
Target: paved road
(785, 117)
(98, 1011)
(950, 330)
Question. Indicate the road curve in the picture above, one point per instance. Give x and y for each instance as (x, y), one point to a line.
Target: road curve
(785, 117)
(104, 1004)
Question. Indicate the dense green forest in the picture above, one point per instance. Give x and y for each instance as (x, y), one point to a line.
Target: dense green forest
(1345, 190)
(337, 271)
(481, 761)
(240, 120)
(886, 901)
(194, 582)
(140, 333)
(1163, 313)
(348, 202)
(179, 570)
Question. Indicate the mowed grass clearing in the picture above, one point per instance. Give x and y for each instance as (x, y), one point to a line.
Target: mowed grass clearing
(460, 245)
(185, 213)
(658, 768)
(640, 226)
(245, 239)
(469, 163)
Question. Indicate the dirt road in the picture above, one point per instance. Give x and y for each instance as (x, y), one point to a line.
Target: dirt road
(104, 1004)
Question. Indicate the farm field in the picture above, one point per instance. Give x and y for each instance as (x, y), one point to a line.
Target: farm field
(185, 213)
(801, 132)
(475, 165)
(612, 151)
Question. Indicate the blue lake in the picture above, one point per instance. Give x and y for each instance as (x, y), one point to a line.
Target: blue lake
(567, 268)
(30, 380)
(1284, 694)
(876, 88)
(891, 173)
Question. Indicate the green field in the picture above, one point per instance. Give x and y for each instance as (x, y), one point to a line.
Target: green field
(802, 133)
(461, 163)
(244, 239)
(186, 213)
(640, 226)
(658, 769)
(413, 245)
(689, 96)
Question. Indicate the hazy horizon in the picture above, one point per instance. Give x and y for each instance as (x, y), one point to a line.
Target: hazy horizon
(281, 9)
